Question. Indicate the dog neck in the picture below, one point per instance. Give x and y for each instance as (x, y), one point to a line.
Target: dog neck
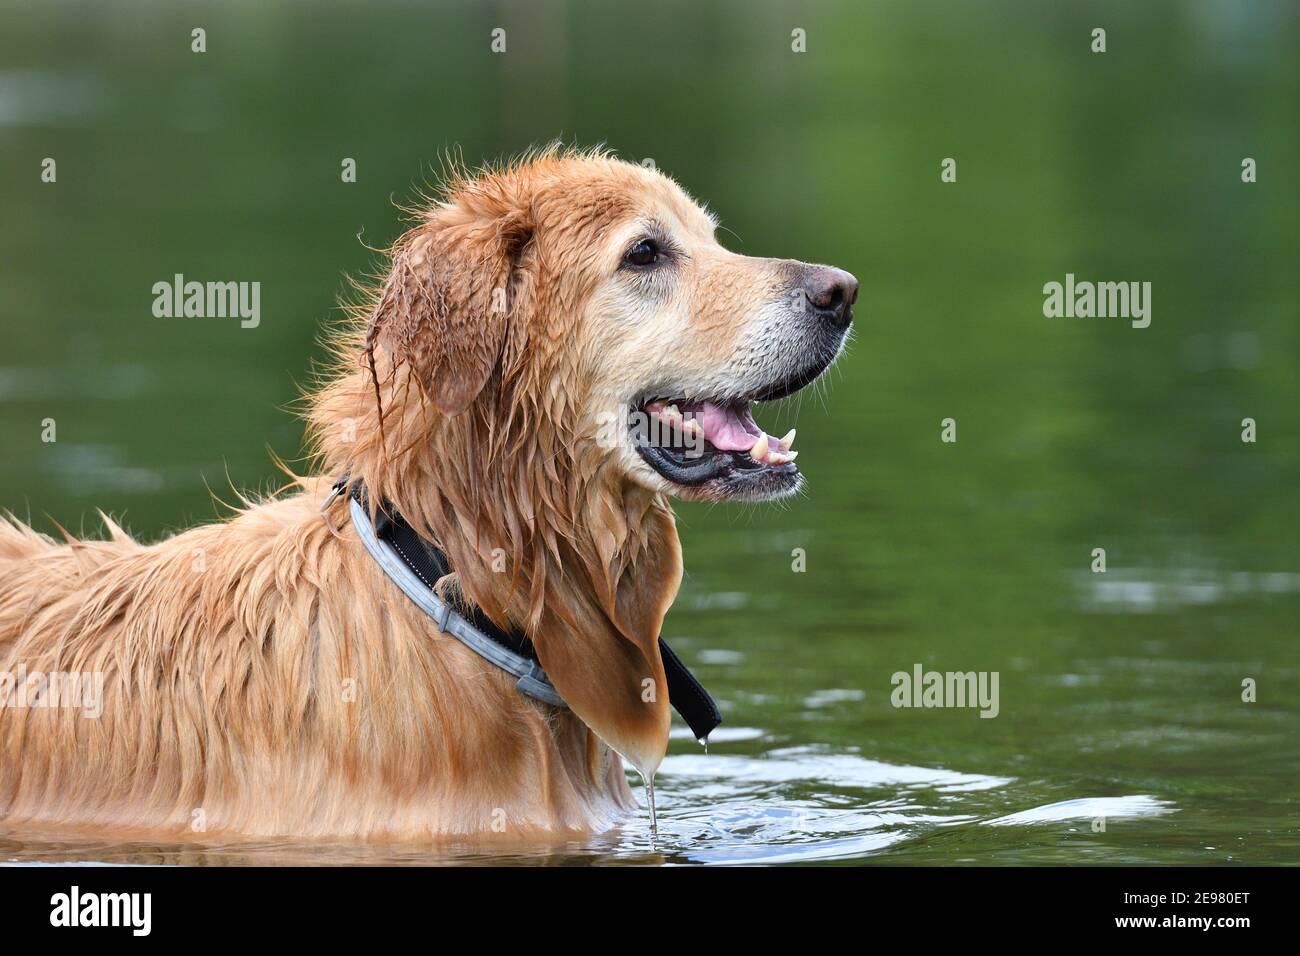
(562, 545)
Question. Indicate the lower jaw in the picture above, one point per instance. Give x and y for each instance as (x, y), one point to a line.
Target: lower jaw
(766, 487)
(723, 478)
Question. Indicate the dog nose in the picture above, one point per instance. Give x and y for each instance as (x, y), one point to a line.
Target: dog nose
(831, 292)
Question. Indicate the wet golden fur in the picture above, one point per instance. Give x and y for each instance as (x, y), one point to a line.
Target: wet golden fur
(263, 677)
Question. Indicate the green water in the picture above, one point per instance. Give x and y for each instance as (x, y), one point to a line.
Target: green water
(1120, 694)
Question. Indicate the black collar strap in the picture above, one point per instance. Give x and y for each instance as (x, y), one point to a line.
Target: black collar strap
(414, 565)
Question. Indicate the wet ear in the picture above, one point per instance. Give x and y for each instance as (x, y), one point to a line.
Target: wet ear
(602, 650)
(445, 305)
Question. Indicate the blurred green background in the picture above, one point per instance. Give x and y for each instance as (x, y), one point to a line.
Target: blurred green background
(1072, 434)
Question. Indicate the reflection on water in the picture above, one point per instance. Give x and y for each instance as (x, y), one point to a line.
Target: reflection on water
(1088, 808)
(796, 805)
(1122, 592)
(46, 98)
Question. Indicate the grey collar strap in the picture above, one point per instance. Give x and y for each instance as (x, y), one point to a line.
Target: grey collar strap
(532, 680)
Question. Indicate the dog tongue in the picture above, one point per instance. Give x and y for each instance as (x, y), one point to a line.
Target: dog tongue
(727, 427)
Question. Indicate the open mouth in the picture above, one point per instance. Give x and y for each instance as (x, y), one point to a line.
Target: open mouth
(691, 443)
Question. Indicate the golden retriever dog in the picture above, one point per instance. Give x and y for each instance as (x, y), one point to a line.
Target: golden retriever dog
(499, 388)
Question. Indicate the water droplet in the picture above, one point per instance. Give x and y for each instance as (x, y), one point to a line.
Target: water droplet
(650, 792)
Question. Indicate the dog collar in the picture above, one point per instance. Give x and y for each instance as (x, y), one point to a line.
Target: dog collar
(415, 564)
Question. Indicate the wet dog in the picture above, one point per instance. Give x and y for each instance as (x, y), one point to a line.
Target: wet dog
(559, 346)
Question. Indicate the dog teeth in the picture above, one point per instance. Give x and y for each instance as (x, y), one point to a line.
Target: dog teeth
(663, 412)
(692, 427)
(780, 455)
(787, 441)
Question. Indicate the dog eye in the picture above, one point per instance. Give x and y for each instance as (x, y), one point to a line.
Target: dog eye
(644, 253)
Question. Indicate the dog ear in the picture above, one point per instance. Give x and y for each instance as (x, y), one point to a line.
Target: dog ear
(445, 305)
(602, 651)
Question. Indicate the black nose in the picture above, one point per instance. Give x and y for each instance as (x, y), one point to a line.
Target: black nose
(831, 293)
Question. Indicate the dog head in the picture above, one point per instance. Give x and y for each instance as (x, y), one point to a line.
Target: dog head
(600, 287)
